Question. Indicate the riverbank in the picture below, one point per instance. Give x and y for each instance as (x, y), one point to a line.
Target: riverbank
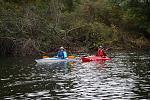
(29, 28)
(23, 47)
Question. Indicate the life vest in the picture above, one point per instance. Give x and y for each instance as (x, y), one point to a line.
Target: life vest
(101, 53)
(65, 54)
(62, 54)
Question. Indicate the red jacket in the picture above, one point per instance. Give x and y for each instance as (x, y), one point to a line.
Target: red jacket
(101, 53)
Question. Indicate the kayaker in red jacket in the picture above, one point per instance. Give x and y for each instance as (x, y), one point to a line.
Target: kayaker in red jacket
(101, 52)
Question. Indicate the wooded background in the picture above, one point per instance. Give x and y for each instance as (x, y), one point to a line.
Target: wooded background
(27, 26)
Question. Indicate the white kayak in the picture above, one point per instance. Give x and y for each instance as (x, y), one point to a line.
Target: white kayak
(55, 60)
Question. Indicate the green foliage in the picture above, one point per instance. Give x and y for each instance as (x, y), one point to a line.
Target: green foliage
(76, 22)
(69, 5)
(137, 12)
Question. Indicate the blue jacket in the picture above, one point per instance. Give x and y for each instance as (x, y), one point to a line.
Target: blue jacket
(62, 54)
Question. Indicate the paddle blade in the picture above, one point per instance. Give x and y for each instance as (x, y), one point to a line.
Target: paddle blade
(71, 57)
(45, 57)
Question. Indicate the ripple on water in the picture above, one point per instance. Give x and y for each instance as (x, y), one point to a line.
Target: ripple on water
(125, 77)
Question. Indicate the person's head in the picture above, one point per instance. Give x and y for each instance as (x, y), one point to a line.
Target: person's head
(100, 47)
(61, 48)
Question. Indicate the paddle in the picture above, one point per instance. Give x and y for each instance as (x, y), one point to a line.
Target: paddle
(45, 56)
(71, 57)
(44, 53)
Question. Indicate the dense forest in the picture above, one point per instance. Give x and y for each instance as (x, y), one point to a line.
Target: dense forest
(27, 26)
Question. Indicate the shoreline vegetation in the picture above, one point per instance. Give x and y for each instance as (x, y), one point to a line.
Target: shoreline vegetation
(29, 27)
(25, 47)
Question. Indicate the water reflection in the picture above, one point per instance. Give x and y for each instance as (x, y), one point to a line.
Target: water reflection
(139, 65)
(125, 77)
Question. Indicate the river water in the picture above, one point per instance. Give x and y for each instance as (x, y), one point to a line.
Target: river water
(126, 77)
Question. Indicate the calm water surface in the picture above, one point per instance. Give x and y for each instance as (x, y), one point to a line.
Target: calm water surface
(126, 77)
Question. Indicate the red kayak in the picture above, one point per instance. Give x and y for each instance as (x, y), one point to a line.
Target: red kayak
(94, 58)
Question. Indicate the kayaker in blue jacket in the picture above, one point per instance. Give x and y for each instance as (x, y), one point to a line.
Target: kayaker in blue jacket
(62, 53)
